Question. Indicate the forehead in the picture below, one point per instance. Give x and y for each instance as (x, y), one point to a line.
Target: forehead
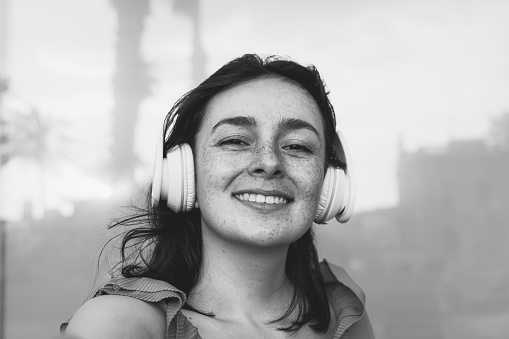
(267, 100)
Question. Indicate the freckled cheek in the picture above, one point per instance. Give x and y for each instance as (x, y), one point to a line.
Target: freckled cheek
(310, 180)
(212, 173)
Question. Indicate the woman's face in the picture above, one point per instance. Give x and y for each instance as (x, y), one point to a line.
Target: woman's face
(259, 161)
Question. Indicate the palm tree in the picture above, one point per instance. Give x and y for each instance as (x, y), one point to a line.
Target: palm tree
(3, 226)
(198, 59)
(43, 166)
(130, 84)
(46, 163)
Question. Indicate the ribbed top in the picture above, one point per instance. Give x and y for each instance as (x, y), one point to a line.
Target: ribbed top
(346, 297)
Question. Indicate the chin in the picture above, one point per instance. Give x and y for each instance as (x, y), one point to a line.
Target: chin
(273, 237)
(252, 228)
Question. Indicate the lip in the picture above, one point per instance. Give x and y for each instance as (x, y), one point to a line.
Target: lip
(263, 207)
(276, 193)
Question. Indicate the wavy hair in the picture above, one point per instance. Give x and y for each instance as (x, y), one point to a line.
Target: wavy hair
(165, 245)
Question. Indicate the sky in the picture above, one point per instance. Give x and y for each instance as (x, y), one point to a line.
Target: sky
(401, 73)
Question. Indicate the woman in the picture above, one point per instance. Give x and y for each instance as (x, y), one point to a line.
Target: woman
(225, 249)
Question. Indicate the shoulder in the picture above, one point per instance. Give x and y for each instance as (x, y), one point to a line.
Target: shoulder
(126, 308)
(348, 302)
(334, 274)
(115, 316)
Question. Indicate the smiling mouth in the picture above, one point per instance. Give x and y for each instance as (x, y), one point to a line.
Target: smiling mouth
(262, 199)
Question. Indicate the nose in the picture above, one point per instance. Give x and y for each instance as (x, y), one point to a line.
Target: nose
(267, 162)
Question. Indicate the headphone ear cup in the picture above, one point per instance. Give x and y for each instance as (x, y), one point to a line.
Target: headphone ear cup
(333, 195)
(350, 198)
(350, 187)
(179, 186)
(157, 176)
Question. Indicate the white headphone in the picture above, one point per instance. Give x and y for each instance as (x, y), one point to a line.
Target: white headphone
(174, 182)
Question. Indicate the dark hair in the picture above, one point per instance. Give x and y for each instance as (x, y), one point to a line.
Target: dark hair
(167, 246)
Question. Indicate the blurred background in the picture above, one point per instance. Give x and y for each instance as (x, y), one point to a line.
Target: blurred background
(421, 90)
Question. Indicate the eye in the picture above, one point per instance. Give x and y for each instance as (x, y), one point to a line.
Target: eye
(297, 148)
(233, 142)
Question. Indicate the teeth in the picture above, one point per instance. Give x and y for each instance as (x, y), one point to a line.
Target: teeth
(261, 198)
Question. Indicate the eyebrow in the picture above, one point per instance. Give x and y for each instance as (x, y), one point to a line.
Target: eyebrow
(240, 121)
(284, 124)
(294, 124)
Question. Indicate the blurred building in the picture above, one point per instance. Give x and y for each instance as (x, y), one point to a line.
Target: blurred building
(441, 257)
(454, 215)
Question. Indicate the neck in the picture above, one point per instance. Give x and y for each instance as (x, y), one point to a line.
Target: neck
(237, 281)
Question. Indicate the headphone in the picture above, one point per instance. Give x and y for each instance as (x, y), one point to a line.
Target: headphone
(174, 181)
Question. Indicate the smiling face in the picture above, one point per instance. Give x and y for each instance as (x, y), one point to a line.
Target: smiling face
(259, 162)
